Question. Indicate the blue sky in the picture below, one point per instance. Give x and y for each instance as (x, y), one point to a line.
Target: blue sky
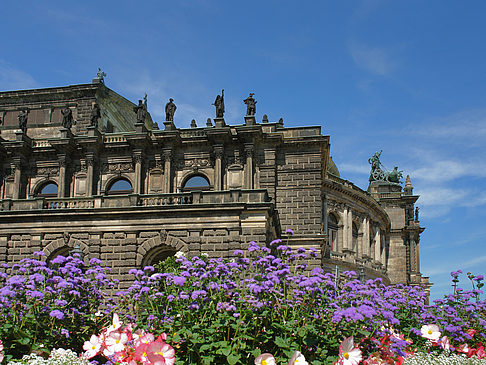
(407, 77)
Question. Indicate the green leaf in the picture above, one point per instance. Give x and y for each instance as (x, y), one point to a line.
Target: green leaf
(280, 342)
(233, 359)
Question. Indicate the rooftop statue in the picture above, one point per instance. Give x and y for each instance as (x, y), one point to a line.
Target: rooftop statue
(141, 112)
(95, 115)
(379, 174)
(250, 105)
(100, 75)
(23, 120)
(219, 104)
(170, 109)
(67, 118)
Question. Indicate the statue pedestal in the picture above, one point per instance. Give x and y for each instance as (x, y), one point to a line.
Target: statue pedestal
(93, 131)
(140, 128)
(169, 125)
(65, 133)
(250, 120)
(219, 122)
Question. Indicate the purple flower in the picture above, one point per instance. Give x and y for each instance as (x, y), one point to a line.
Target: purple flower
(149, 268)
(289, 231)
(179, 280)
(56, 313)
(238, 253)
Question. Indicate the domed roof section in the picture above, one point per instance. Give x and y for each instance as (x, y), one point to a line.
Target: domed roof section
(332, 168)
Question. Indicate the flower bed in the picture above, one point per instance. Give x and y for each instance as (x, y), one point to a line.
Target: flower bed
(265, 306)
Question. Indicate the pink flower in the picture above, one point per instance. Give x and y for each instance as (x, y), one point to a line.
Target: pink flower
(444, 343)
(265, 359)
(92, 347)
(115, 325)
(348, 354)
(115, 342)
(143, 338)
(160, 353)
(471, 332)
(430, 332)
(141, 353)
(298, 359)
(463, 348)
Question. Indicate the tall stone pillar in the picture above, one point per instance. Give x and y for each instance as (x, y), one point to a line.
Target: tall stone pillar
(17, 167)
(218, 167)
(89, 174)
(61, 193)
(378, 246)
(249, 166)
(345, 229)
(137, 158)
(167, 170)
(366, 237)
(350, 229)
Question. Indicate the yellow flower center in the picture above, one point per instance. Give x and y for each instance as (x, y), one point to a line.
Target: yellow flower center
(264, 362)
(346, 355)
(93, 347)
(430, 332)
(117, 341)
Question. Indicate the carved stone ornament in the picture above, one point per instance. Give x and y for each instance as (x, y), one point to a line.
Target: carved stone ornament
(47, 171)
(197, 162)
(117, 167)
(66, 236)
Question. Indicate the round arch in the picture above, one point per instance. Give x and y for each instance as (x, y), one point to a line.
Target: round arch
(46, 188)
(196, 181)
(63, 246)
(119, 185)
(158, 246)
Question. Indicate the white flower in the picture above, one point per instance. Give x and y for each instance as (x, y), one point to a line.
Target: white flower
(348, 354)
(265, 359)
(298, 359)
(430, 332)
(92, 347)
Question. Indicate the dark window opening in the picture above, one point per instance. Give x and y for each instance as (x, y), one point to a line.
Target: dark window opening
(48, 190)
(120, 187)
(197, 182)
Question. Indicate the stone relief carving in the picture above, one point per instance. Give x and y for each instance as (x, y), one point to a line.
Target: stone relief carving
(47, 171)
(117, 167)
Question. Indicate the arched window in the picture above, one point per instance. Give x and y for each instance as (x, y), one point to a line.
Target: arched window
(120, 187)
(158, 254)
(48, 190)
(196, 182)
(332, 232)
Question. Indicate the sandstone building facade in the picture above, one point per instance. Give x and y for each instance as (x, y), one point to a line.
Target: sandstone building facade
(131, 194)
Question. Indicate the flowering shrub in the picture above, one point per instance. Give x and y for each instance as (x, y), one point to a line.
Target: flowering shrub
(124, 345)
(218, 311)
(48, 306)
(57, 357)
(263, 307)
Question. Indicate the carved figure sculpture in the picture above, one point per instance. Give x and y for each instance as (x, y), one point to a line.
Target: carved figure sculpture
(100, 75)
(67, 118)
(170, 109)
(250, 105)
(219, 104)
(394, 175)
(95, 115)
(376, 172)
(23, 120)
(416, 214)
(140, 111)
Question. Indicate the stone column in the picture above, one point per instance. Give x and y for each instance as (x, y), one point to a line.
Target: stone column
(137, 158)
(89, 174)
(417, 260)
(345, 229)
(350, 229)
(218, 167)
(378, 246)
(167, 153)
(17, 178)
(61, 193)
(249, 166)
(366, 237)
